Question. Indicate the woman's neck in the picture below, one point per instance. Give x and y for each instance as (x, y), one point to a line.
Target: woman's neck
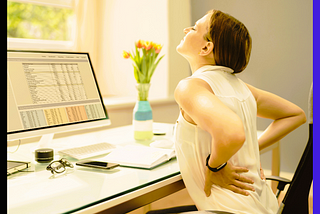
(195, 64)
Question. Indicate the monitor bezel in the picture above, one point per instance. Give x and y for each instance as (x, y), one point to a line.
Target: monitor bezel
(34, 132)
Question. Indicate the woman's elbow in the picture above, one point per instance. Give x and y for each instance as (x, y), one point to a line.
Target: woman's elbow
(240, 138)
(237, 137)
(301, 117)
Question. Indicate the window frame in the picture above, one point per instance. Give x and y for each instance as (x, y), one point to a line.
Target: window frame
(38, 44)
(41, 44)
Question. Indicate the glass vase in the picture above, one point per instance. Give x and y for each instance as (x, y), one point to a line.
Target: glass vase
(142, 114)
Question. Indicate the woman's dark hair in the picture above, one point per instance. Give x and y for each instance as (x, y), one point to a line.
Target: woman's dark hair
(231, 40)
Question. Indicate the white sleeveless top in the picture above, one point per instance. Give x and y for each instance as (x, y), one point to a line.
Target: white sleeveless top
(193, 145)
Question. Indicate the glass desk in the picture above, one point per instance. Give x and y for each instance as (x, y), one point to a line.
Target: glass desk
(86, 190)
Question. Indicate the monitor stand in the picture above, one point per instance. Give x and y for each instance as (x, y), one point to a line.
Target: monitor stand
(45, 142)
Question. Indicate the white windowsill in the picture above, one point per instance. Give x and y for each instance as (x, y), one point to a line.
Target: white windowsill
(120, 102)
(38, 44)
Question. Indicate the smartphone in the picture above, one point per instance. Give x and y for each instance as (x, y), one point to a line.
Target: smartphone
(158, 132)
(97, 164)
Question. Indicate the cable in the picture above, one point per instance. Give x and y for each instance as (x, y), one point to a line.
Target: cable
(17, 147)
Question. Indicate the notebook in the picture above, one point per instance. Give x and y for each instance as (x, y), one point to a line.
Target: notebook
(139, 156)
(15, 166)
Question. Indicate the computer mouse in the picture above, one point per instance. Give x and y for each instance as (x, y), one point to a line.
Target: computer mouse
(163, 144)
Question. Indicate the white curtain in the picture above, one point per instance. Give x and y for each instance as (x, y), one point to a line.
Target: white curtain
(86, 33)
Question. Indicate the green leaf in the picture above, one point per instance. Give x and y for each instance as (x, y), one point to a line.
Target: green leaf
(153, 68)
(138, 74)
(137, 56)
(144, 68)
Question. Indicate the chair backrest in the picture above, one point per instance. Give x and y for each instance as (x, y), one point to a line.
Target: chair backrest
(296, 198)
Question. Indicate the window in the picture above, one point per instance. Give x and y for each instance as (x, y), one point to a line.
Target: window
(40, 24)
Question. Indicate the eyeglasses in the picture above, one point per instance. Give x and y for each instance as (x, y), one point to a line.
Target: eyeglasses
(59, 166)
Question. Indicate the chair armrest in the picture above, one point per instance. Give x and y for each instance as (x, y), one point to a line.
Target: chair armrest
(282, 181)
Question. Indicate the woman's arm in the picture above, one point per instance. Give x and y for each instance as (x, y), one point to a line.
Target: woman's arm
(286, 116)
(197, 99)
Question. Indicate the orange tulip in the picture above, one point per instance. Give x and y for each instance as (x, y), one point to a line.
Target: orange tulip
(148, 45)
(157, 47)
(126, 55)
(140, 43)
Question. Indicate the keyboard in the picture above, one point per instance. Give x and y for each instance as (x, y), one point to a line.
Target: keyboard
(89, 151)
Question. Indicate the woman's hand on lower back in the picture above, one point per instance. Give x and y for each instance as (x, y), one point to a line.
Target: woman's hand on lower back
(229, 177)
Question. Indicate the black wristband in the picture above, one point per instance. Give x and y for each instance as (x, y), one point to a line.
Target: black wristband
(215, 169)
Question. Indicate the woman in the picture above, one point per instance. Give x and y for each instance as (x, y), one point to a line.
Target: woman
(216, 139)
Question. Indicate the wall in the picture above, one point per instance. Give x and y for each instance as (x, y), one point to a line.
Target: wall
(120, 24)
(281, 58)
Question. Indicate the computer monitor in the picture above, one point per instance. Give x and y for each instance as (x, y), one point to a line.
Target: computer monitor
(51, 92)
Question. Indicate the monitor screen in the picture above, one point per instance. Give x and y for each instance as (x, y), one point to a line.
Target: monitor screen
(51, 89)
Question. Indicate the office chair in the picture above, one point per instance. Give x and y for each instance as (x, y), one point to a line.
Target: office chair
(296, 198)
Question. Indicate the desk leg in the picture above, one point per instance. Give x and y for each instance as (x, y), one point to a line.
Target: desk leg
(145, 199)
(275, 166)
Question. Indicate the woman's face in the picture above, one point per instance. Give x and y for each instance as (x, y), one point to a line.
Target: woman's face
(191, 45)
